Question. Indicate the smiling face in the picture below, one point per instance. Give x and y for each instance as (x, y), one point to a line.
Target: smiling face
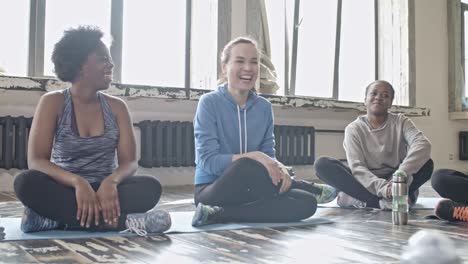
(241, 69)
(97, 69)
(378, 99)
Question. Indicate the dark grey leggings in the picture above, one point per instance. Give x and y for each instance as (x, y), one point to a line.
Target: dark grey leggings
(338, 175)
(41, 193)
(451, 184)
(247, 194)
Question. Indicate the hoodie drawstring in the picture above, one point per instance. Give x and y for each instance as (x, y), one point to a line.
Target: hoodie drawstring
(240, 130)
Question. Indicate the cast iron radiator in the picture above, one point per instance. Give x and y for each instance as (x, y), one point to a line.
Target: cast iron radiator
(171, 144)
(166, 144)
(14, 132)
(295, 145)
(163, 143)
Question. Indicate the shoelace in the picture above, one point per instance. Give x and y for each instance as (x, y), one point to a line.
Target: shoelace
(360, 205)
(461, 213)
(136, 225)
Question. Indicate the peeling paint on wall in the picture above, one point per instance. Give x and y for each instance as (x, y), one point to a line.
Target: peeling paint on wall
(54, 85)
(321, 103)
(158, 92)
(195, 94)
(134, 91)
(17, 83)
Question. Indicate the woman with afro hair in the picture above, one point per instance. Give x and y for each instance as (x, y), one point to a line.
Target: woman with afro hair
(81, 152)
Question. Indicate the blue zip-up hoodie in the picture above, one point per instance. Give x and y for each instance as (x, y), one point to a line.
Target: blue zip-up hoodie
(223, 129)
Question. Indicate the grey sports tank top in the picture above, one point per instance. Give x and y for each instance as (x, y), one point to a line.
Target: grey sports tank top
(93, 158)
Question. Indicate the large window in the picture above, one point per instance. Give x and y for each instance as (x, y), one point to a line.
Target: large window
(153, 42)
(204, 42)
(357, 49)
(315, 48)
(319, 48)
(14, 23)
(323, 48)
(149, 39)
(279, 35)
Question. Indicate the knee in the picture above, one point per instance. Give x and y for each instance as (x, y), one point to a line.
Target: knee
(248, 167)
(430, 163)
(148, 190)
(439, 178)
(310, 207)
(306, 204)
(25, 182)
(426, 171)
(429, 166)
(152, 194)
(322, 164)
(154, 188)
(247, 162)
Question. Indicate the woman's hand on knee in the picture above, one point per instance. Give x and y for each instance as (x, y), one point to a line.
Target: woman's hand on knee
(286, 179)
(285, 183)
(108, 197)
(273, 167)
(87, 203)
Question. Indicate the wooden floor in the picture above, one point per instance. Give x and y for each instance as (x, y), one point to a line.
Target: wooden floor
(356, 236)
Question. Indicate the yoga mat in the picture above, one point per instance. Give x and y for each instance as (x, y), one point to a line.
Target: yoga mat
(181, 201)
(423, 203)
(181, 223)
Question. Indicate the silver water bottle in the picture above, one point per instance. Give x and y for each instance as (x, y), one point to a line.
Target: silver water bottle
(400, 198)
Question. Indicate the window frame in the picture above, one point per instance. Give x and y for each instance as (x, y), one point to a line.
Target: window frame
(37, 34)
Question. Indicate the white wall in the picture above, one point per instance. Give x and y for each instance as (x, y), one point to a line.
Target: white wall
(432, 83)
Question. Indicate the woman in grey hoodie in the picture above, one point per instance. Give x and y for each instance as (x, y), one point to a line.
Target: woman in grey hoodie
(377, 144)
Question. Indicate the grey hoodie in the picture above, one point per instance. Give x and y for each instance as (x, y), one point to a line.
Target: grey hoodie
(374, 154)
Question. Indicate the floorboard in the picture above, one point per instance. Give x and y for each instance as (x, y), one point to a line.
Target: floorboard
(356, 236)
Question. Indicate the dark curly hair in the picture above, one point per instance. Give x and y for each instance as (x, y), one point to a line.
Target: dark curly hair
(72, 50)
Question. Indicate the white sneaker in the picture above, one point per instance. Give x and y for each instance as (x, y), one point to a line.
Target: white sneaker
(153, 221)
(346, 201)
(385, 205)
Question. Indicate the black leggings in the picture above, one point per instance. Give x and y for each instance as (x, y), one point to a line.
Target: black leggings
(338, 175)
(247, 194)
(41, 193)
(451, 184)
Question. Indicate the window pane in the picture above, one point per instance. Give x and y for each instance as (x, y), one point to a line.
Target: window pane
(357, 54)
(153, 42)
(64, 14)
(14, 18)
(316, 48)
(204, 55)
(276, 24)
